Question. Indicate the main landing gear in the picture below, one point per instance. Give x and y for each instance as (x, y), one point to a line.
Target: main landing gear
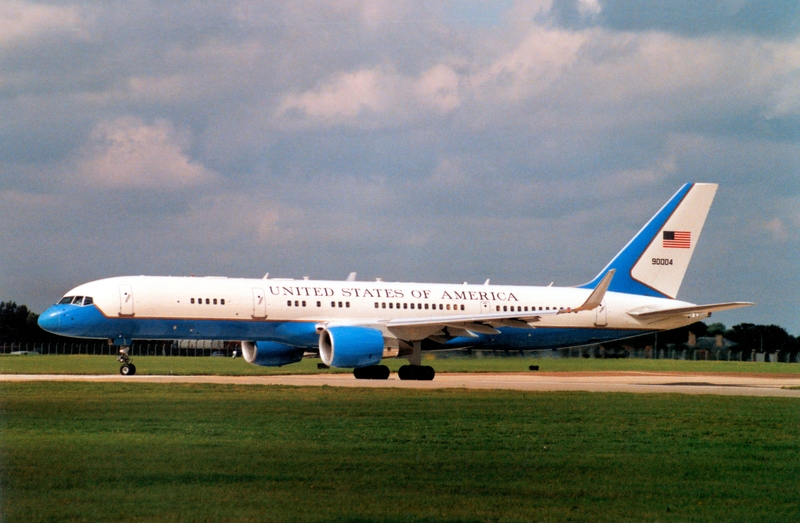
(373, 372)
(127, 368)
(416, 372)
(406, 372)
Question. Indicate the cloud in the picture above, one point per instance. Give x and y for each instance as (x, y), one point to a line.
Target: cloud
(346, 96)
(28, 20)
(128, 153)
(439, 88)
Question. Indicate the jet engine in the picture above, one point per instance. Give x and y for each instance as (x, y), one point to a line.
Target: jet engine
(350, 346)
(270, 353)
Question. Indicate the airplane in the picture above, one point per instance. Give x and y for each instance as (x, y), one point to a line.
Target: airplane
(356, 324)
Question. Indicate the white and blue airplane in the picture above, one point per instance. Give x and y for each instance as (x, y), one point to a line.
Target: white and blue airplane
(355, 324)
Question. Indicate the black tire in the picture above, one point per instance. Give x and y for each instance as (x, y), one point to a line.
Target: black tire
(416, 372)
(125, 369)
(133, 369)
(406, 372)
(382, 372)
(373, 372)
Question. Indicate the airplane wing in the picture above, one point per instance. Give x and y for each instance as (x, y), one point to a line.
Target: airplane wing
(443, 327)
(649, 315)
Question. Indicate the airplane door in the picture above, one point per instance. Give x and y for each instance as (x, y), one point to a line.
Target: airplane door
(601, 318)
(259, 303)
(125, 300)
(485, 307)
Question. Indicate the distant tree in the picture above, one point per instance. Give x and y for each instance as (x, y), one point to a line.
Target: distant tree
(17, 323)
(716, 328)
(766, 338)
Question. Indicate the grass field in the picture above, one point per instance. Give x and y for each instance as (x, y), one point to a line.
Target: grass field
(227, 366)
(143, 452)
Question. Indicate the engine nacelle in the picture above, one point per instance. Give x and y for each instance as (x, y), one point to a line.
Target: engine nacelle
(270, 353)
(350, 346)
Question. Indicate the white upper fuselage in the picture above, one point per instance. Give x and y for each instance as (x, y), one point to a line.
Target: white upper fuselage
(238, 299)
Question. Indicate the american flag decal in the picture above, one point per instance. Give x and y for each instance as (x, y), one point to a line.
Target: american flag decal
(677, 239)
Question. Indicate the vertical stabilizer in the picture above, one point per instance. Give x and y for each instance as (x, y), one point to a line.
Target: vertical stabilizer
(654, 262)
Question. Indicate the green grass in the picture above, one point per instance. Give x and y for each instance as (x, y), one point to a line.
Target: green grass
(144, 452)
(46, 364)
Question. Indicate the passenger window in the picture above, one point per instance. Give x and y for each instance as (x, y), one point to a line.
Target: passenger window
(412, 305)
(192, 301)
(215, 301)
(304, 303)
(319, 304)
(222, 301)
(383, 305)
(376, 305)
(448, 306)
(462, 307)
(208, 301)
(426, 306)
(289, 303)
(347, 305)
(333, 304)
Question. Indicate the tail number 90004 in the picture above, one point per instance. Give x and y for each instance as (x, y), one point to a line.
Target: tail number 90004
(662, 261)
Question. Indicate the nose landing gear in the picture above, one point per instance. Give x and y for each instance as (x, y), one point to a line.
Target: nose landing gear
(127, 368)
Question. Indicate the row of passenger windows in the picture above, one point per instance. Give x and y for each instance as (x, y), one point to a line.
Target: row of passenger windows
(208, 301)
(76, 300)
(298, 303)
(418, 306)
(520, 308)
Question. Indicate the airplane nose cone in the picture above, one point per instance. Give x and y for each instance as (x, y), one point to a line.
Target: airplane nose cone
(50, 320)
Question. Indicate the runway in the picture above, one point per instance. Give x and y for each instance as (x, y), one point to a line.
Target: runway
(633, 382)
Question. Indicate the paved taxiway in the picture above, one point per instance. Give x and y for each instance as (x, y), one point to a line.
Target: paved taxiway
(636, 382)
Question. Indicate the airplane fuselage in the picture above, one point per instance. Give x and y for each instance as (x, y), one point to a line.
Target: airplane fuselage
(289, 311)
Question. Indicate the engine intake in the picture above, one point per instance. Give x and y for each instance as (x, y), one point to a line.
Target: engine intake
(270, 353)
(350, 346)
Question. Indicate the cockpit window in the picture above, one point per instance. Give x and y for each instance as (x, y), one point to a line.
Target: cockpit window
(76, 300)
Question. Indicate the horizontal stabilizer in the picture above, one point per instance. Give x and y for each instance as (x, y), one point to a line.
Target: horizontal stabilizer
(651, 315)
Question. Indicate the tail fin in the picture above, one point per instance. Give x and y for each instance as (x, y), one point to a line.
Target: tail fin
(654, 262)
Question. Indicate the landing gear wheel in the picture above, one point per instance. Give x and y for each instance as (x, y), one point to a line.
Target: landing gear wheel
(416, 372)
(373, 372)
(127, 369)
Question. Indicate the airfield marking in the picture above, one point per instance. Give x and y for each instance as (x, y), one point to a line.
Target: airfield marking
(636, 382)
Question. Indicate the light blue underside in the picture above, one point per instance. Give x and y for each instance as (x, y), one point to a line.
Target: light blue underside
(89, 322)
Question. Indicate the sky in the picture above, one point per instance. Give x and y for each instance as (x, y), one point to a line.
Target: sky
(431, 141)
